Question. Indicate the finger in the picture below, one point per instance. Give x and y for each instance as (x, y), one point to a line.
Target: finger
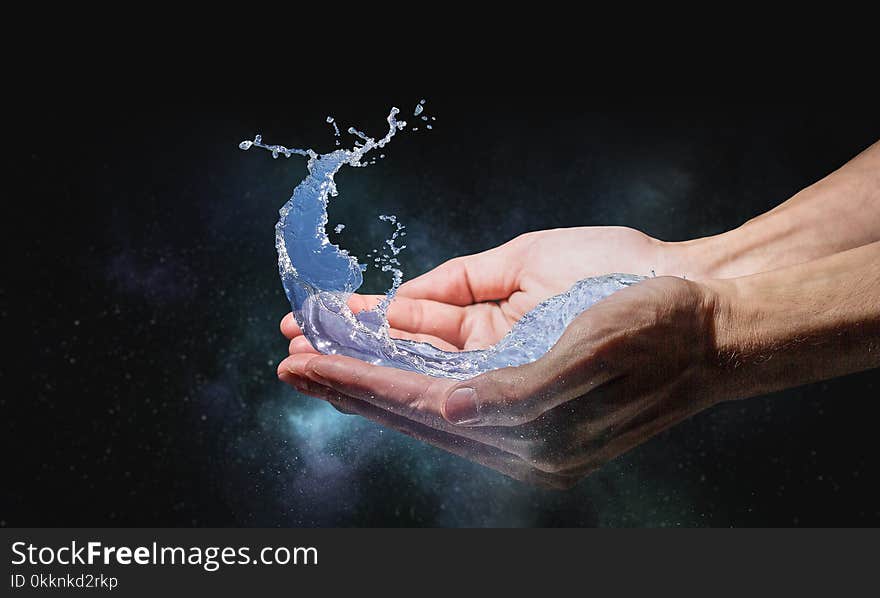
(419, 316)
(655, 410)
(482, 454)
(289, 376)
(637, 430)
(489, 440)
(486, 276)
(440, 320)
(313, 389)
(300, 344)
(498, 398)
(576, 365)
(506, 397)
(411, 395)
(408, 394)
(307, 387)
(490, 456)
(289, 327)
(291, 369)
(424, 338)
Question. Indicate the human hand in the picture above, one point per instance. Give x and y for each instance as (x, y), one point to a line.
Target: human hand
(440, 435)
(634, 364)
(471, 302)
(629, 367)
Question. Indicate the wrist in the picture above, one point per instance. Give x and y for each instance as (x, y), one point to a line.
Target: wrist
(747, 330)
(716, 257)
(836, 214)
(796, 325)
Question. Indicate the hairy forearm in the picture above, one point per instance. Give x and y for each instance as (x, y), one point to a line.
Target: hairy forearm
(840, 212)
(799, 324)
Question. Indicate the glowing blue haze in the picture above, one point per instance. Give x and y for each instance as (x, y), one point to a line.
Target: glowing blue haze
(319, 277)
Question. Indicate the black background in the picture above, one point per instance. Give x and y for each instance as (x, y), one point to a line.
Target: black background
(142, 305)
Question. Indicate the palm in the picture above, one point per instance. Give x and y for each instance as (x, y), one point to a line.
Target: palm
(556, 259)
(471, 302)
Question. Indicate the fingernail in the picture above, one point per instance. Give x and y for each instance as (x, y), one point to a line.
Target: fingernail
(461, 406)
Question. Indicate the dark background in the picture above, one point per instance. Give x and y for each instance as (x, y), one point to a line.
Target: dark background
(142, 301)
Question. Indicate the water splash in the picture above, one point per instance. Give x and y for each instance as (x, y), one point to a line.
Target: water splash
(332, 121)
(319, 277)
(419, 112)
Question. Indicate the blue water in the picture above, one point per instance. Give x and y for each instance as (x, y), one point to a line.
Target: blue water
(319, 277)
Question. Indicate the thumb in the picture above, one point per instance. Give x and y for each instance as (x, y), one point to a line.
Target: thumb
(475, 278)
(516, 395)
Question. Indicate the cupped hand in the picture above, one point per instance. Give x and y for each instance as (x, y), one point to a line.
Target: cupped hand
(471, 302)
(629, 367)
(476, 299)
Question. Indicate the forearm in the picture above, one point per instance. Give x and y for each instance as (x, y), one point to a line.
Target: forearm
(799, 324)
(840, 212)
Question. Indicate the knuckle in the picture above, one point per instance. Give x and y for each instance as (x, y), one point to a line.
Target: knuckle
(412, 405)
(506, 403)
(523, 238)
(418, 316)
(528, 237)
(424, 403)
(523, 241)
(456, 263)
(507, 392)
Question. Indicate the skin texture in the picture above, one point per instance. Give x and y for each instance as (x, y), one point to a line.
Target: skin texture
(767, 306)
(839, 212)
(471, 302)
